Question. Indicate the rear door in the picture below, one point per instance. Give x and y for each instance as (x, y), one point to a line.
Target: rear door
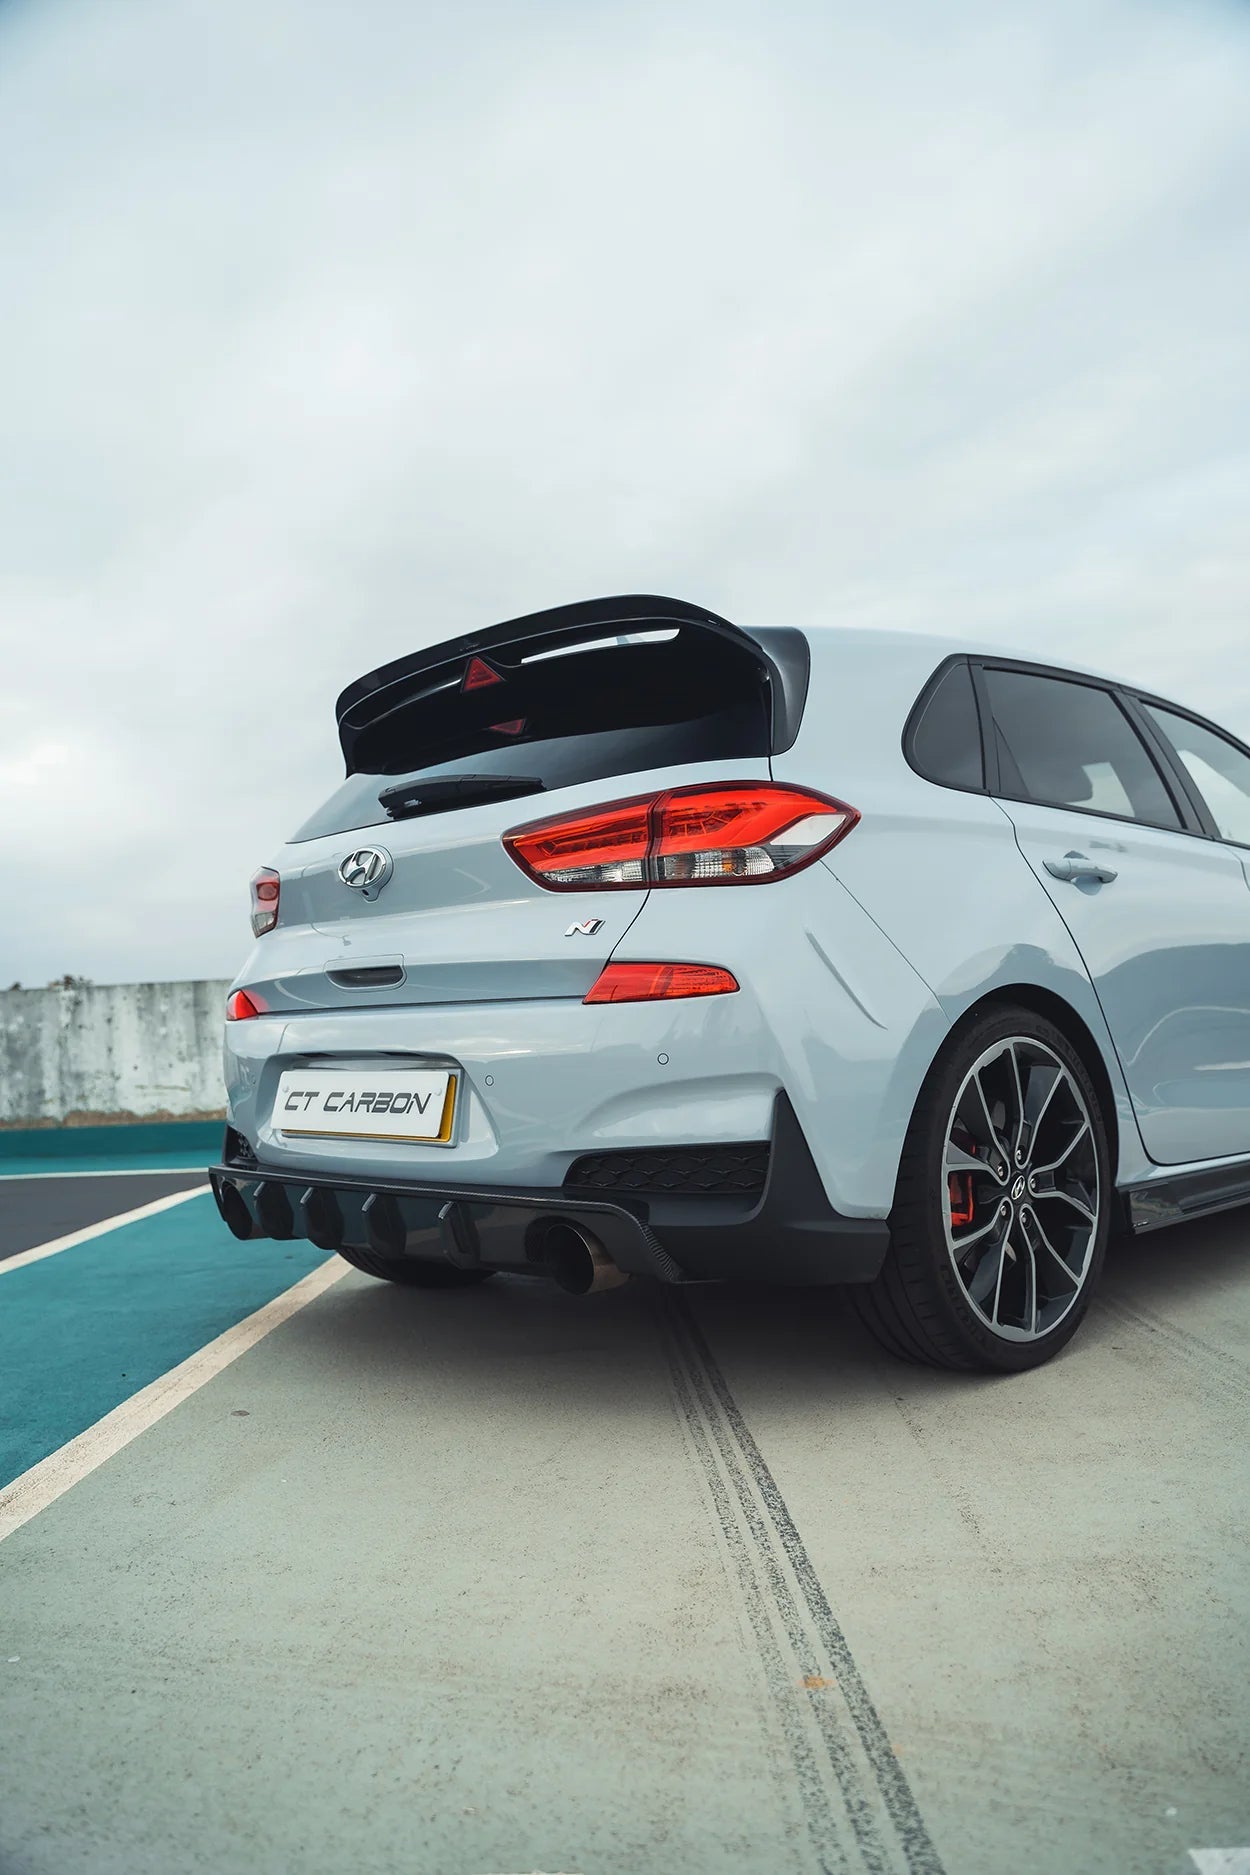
(1159, 910)
(400, 889)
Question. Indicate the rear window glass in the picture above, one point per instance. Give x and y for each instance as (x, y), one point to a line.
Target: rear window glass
(583, 715)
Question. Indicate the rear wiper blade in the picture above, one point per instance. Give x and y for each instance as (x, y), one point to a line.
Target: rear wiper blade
(444, 791)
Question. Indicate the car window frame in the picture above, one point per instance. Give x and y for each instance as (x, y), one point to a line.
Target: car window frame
(1175, 783)
(1139, 699)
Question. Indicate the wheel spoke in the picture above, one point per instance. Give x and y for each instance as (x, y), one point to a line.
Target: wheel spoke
(994, 1141)
(974, 1236)
(957, 1160)
(1065, 1197)
(989, 1272)
(1066, 1153)
(998, 1284)
(1030, 1286)
(1073, 1276)
(1057, 1082)
(1014, 1058)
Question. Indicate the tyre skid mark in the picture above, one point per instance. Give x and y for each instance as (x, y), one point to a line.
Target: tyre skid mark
(1223, 1372)
(860, 1810)
(818, 1809)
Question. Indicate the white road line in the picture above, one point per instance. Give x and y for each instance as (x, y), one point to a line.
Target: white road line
(1221, 1861)
(119, 1171)
(85, 1235)
(54, 1475)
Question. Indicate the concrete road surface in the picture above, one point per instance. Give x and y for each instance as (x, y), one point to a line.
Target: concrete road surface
(502, 1580)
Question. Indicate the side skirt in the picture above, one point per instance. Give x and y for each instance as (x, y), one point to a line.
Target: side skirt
(1193, 1194)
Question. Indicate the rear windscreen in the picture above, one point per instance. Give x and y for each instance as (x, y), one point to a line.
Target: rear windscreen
(564, 718)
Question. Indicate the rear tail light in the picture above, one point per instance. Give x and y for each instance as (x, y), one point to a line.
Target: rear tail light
(239, 1006)
(266, 890)
(732, 833)
(653, 983)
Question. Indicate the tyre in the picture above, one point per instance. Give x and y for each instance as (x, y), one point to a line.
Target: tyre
(1003, 1204)
(414, 1272)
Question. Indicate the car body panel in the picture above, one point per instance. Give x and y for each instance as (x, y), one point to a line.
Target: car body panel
(988, 926)
(457, 914)
(833, 1014)
(1167, 945)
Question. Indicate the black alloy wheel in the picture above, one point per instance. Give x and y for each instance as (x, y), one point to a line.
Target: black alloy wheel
(1003, 1203)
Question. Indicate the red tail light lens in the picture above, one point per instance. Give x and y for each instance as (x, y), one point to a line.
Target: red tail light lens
(732, 833)
(266, 890)
(239, 1006)
(653, 983)
(609, 847)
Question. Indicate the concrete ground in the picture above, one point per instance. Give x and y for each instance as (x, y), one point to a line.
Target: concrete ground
(501, 1580)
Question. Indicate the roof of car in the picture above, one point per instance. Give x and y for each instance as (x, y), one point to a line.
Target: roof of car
(886, 640)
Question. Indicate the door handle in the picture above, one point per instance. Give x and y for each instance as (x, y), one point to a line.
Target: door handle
(1074, 866)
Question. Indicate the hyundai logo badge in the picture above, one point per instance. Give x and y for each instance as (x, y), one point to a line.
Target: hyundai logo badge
(367, 871)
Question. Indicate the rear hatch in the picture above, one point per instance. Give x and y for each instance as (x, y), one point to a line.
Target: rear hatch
(400, 888)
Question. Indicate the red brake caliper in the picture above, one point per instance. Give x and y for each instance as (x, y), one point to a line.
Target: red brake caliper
(959, 1186)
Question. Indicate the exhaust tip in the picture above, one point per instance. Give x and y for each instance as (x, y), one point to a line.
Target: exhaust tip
(235, 1213)
(577, 1262)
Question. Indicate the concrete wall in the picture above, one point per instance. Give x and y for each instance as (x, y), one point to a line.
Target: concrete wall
(111, 1050)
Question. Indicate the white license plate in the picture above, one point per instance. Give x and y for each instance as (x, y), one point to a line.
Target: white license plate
(367, 1103)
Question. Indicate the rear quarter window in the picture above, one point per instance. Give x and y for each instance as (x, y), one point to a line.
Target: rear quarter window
(943, 741)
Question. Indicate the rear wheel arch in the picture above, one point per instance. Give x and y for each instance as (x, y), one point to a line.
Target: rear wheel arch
(1046, 1003)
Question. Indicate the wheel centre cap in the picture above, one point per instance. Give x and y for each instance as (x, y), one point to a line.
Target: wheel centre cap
(1019, 1188)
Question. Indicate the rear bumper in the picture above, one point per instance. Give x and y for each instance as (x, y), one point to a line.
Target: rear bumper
(786, 1233)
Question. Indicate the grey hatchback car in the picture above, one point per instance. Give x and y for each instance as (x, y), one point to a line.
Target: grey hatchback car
(638, 943)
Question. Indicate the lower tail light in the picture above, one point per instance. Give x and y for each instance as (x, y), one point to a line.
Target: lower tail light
(239, 1006)
(654, 983)
(732, 833)
(266, 891)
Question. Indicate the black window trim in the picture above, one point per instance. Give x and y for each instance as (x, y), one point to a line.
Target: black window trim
(1176, 784)
(1138, 700)
(916, 713)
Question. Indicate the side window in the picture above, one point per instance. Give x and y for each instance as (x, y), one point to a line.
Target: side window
(1218, 769)
(1070, 744)
(945, 744)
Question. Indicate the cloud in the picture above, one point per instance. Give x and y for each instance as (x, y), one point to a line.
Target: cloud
(330, 334)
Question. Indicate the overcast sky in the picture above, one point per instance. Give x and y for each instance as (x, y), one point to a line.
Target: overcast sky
(328, 331)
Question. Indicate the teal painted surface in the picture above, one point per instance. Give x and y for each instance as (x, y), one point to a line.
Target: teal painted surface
(182, 1161)
(193, 1141)
(84, 1330)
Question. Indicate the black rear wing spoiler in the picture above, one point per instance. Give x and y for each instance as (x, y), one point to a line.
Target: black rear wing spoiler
(782, 651)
